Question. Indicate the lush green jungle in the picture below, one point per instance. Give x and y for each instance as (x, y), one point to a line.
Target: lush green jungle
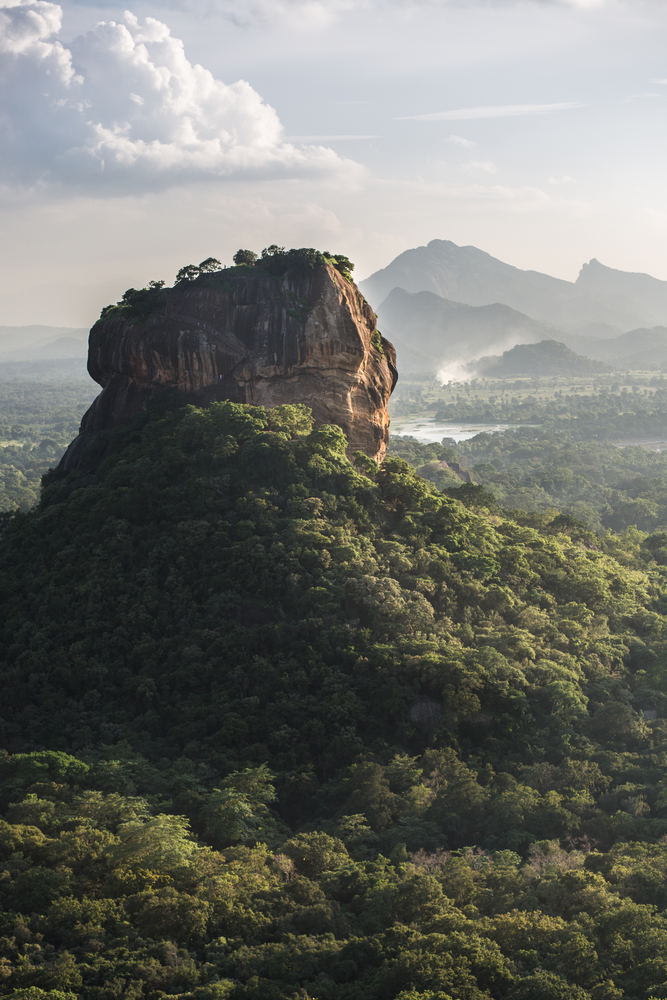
(559, 453)
(619, 406)
(537, 470)
(281, 727)
(37, 422)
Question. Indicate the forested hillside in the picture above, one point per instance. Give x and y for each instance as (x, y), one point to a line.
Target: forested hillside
(280, 727)
(546, 358)
(606, 487)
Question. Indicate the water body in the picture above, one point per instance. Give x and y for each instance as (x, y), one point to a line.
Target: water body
(427, 432)
(649, 444)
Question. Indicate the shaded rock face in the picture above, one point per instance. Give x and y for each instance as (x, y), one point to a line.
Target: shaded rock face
(304, 337)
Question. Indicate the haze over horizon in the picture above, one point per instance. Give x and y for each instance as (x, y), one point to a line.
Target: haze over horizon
(135, 142)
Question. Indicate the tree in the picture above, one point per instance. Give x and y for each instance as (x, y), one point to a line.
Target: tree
(210, 264)
(314, 853)
(245, 257)
(159, 845)
(35, 993)
(343, 264)
(543, 985)
(187, 273)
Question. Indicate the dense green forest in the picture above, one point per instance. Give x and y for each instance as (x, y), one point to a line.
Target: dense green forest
(37, 422)
(281, 727)
(560, 456)
(620, 414)
(616, 407)
(538, 470)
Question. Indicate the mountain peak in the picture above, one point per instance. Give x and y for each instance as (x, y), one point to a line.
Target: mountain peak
(472, 276)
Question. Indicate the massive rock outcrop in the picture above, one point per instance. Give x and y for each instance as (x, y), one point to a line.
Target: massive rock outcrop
(306, 336)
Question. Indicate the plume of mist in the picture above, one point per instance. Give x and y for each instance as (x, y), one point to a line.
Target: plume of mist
(454, 371)
(463, 366)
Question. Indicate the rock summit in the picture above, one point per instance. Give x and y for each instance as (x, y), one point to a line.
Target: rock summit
(249, 335)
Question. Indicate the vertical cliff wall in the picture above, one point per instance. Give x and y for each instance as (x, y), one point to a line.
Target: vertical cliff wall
(306, 336)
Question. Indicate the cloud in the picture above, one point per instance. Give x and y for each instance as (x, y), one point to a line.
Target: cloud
(327, 138)
(122, 106)
(460, 141)
(636, 97)
(485, 165)
(319, 14)
(491, 111)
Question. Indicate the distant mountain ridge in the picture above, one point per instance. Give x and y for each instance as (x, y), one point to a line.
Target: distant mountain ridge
(428, 331)
(642, 348)
(431, 334)
(42, 343)
(624, 289)
(548, 358)
(621, 300)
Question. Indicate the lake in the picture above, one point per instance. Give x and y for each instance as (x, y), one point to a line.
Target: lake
(427, 431)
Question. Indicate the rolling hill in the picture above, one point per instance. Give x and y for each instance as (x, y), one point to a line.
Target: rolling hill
(549, 357)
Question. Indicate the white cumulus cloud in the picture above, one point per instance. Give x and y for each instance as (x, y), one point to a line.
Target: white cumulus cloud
(122, 106)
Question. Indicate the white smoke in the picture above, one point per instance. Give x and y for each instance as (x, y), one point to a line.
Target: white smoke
(122, 105)
(464, 367)
(454, 371)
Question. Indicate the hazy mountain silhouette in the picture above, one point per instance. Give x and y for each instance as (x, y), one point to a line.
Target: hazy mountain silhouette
(625, 290)
(618, 299)
(429, 332)
(37, 343)
(642, 348)
(549, 357)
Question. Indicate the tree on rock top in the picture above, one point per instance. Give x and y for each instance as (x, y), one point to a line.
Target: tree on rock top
(244, 257)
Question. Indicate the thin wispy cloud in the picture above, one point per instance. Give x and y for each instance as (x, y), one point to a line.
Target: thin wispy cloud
(314, 14)
(492, 111)
(486, 166)
(460, 141)
(326, 138)
(636, 97)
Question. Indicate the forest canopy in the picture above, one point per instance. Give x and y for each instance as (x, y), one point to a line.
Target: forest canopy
(280, 726)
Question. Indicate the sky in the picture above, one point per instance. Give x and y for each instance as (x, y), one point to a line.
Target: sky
(134, 141)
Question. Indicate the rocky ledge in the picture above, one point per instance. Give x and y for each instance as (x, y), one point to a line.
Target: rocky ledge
(245, 334)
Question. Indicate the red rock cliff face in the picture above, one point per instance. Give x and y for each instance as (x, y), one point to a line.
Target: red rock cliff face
(305, 337)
